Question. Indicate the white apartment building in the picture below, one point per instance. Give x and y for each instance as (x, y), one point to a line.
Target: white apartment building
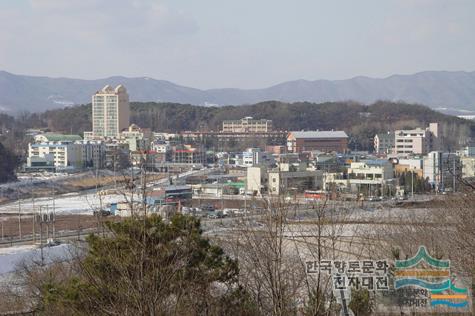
(110, 112)
(247, 125)
(416, 141)
(64, 155)
(64, 152)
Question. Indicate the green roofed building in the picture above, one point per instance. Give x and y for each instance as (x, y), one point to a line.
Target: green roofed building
(53, 137)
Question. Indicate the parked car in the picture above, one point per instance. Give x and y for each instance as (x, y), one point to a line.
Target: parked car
(216, 215)
(102, 213)
(208, 208)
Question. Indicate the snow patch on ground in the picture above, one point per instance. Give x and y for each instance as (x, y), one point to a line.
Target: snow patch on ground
(11, 257)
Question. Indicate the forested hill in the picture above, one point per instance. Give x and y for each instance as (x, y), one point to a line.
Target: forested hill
(360, 121)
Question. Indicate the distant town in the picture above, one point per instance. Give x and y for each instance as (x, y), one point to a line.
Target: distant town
(305, 164)
(249, 181)
(248, 158)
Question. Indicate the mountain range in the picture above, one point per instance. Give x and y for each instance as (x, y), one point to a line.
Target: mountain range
(448, 91)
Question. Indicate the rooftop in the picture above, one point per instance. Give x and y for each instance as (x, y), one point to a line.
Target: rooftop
(375, 162)
(319, 134)
(60, 137)
(110, 90)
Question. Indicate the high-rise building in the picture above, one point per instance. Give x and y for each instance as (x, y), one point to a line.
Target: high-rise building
(110, 112)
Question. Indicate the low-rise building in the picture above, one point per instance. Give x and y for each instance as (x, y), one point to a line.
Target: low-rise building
(294, 181)
(414, 165)
(117, 155)
(468, 167)
(45, 162)
(247, 125)
(285, 179)
(171, 194)
(325, 141)
(256, 179)
(137, 139)
(93, 154)
(56, 138)
(59, 149)
(276, 149)
(442, 169)
(417, 141)
(370, 176)
(189, 154)
(468, 151)
(255, 156)
(384, 143)
(161, 146)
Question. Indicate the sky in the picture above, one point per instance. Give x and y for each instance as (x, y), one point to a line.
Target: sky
(241, 44)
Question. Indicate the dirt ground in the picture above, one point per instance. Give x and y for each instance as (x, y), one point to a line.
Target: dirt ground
(73, 183)
(11, 224)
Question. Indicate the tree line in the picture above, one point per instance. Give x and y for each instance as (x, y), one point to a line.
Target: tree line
(362, 122)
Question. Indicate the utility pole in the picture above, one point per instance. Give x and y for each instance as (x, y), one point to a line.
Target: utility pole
(412, 183)
(19, 215)
(34, 218)
(454, 171)
(33, 229)
(41, 219)
(440, 168)
(114, 168)
(54, 208)
(54, 220)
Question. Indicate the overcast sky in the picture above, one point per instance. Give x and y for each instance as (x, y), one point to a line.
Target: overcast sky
(235, 43)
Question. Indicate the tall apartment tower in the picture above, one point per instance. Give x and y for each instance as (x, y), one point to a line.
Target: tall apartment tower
(110, 111)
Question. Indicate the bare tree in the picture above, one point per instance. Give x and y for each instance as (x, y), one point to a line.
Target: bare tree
(272, 249)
